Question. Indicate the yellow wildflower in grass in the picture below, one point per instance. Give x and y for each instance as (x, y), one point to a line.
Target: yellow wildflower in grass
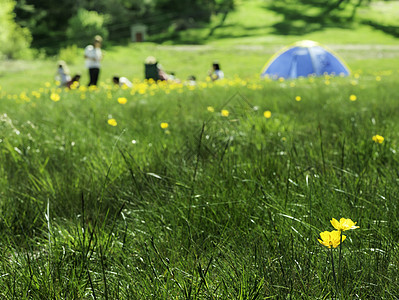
(298, 98)
(47, 84)
(378, 139)
(331, 238)
(378, 78)
(343, 224)
(55, 97)
(267, 114)
(210, 109)
(112, 122)
(164, 125)
(74, 85)
(122, 100)
(352, 98)
(224, 113)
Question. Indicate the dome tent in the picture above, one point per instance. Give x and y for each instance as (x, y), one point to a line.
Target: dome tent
(304, 58)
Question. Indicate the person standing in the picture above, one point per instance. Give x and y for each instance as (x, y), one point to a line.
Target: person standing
(93, 57)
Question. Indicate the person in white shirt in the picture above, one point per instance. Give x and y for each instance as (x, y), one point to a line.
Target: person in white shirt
(93, 57)
(121, 81)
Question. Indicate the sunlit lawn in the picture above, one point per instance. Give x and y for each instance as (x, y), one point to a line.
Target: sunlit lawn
(218, 190)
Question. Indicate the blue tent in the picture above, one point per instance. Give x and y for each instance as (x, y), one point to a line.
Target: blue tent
(304, 58)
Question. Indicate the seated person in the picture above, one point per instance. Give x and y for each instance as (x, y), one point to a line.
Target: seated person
(153, 70)
(121, 81)
(216, 73)
(191, 80)
(63, 73)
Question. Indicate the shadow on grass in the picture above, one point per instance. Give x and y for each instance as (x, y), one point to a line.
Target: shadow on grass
(300, 23)
(392, 30)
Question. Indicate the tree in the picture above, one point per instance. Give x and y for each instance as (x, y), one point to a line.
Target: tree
(14, 40)
(85, 25)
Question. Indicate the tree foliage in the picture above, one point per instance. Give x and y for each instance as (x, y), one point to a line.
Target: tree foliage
(85, 25)
(14, 40)
(54, 24)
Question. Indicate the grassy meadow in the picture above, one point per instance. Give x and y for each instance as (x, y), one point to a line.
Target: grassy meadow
(218, 190)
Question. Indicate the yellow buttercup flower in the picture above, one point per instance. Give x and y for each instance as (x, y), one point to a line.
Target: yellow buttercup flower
(343, 224)
(112, 122)
(352, 98)
(225, 113)
(55, 97)
(164, 125)
(298, 98)
(378, 139)
(267, 114)
(210, 109)
(331, 238)
(122, 100)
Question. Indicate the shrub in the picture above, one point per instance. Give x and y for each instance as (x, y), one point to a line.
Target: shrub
(69, 54)
(85, 25)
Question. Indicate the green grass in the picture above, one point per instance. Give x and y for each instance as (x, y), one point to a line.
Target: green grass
(212, 207)
(247, 39)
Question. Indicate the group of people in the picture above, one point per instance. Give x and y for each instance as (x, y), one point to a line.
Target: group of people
(153, 70)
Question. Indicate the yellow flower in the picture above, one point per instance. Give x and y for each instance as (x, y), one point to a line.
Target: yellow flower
(343, 224)
(267, 114)
(112, 122)
(352, 98)
(55, 97)
(378, 139)
(298, 98)
(164, 125)
(122, 100)
(210, 109)
(74, 85)
(331, 238)
(225, 113)
(378, 78)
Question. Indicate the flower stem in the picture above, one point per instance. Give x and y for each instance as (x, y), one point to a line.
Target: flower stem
(340, 257)
(333, 271)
